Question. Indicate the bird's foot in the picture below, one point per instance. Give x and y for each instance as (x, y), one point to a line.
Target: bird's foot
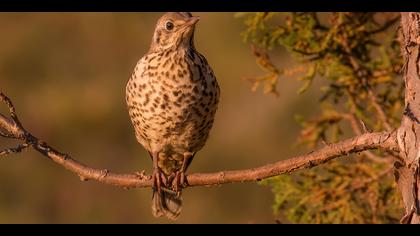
(179, 182)
(158, 180)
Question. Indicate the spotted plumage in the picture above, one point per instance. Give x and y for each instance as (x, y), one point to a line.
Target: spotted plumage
(172, 98)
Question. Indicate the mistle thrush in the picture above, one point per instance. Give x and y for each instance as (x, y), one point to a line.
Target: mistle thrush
(172, 98)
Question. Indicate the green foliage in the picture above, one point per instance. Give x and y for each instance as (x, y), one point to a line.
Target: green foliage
(358, 56)
(337, 193)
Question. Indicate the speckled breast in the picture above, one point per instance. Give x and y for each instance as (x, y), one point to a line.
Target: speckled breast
(172, 98)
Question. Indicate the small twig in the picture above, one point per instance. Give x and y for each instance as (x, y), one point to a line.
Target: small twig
(11, 107)
(324, 140)
(357, 131)
(385, 26)
(365, 128)
(17, 149)
(379, 110)
(373, 98)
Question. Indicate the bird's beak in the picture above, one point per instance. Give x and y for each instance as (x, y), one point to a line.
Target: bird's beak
(192, 20)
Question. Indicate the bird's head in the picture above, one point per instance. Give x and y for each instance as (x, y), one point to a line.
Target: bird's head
(174, 29)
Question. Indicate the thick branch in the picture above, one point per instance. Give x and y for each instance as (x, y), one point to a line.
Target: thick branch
(385, 140)
(408, 134)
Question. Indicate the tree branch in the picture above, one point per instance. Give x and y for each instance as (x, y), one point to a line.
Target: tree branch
(408, 134)
(381, 113)
(385, 26)
(385, 140)
(372, 96)
(357, 131)
(17, 149)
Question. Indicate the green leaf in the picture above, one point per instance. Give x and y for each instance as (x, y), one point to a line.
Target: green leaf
(308, 78)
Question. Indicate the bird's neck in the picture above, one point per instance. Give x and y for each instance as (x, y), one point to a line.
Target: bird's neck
(180, 45)
(179, 50)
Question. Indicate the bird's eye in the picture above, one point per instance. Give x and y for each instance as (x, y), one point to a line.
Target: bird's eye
(169, 25)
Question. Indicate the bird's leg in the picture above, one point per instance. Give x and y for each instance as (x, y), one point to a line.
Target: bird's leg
(157, 175)
(180, 179)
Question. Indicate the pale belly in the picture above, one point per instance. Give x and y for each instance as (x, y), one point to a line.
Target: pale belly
(172, 125)
(176, 131)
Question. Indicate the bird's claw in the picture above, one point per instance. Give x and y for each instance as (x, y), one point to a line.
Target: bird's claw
(178, 181)
(158, 179)
(140, 174)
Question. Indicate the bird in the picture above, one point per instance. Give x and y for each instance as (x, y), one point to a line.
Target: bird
(172, 98)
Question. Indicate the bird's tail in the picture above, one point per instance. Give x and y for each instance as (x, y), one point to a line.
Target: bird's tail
(167, 203)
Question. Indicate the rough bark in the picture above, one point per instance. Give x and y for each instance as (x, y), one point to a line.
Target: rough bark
(408, 134)
(367, 141)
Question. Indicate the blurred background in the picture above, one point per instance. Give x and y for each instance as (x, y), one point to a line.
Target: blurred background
(66, 73)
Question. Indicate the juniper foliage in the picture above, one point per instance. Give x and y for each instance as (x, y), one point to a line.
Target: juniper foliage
(358, 56)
